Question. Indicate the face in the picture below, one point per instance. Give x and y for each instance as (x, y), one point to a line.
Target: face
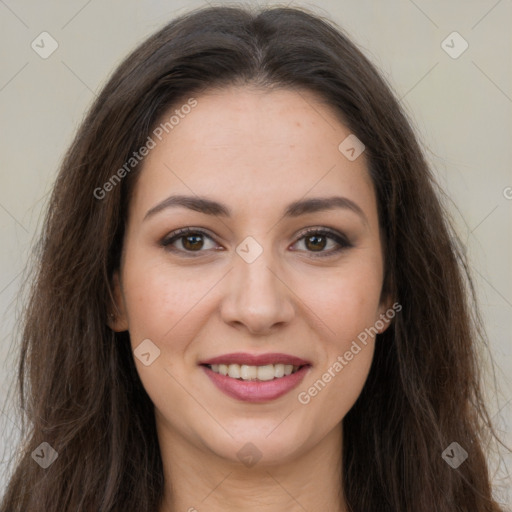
(257, 288)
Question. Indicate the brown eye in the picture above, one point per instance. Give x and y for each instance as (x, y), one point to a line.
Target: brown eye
(191, 241)
(317, 240)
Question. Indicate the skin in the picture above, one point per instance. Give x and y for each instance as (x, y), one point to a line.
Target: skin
(256, 151)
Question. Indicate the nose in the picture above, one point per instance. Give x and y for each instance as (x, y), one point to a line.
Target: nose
(257, 297)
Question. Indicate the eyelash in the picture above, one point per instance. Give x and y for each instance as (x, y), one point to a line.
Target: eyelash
(328, 233)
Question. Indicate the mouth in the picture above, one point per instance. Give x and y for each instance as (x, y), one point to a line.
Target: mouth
(256, 378)
(255, 373)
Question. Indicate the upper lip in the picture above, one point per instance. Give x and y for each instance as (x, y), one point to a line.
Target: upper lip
(256, 359)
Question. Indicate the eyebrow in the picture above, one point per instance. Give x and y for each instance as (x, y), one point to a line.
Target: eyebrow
(295, 209)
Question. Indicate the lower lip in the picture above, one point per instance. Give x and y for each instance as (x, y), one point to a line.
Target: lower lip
(256, 391)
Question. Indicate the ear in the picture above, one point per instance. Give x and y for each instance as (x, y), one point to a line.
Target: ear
(117, 318)
(387, 311)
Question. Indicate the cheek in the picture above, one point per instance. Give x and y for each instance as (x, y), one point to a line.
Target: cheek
(347, 300)
(348, 304)
(164, 306)
(345, 355)
(335, 391)
(161, 299)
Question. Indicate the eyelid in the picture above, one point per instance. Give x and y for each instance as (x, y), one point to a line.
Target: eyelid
(324, 230)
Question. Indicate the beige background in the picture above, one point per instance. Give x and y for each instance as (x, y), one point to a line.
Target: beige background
(461, 108)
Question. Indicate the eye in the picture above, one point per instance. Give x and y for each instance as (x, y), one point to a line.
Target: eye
(190, 240)
(315, 241)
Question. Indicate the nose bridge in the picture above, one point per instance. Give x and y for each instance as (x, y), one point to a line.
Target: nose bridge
(257, 296)
(254, 275)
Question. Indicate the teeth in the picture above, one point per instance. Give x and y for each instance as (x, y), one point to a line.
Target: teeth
(266, 372)
(234, 371)
(278, 370)
(246, 372)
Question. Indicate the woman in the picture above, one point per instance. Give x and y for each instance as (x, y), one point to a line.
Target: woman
(249, 295)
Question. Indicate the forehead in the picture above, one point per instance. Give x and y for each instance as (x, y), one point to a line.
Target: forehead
(251, 146)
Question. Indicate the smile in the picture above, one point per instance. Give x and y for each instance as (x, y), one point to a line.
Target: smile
(252, 373)
(255, 377)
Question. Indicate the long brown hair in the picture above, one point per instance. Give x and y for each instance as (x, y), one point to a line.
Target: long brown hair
(78, 385)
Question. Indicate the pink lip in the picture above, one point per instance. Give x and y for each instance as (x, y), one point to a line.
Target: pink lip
(256, 360)
(256, 391)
